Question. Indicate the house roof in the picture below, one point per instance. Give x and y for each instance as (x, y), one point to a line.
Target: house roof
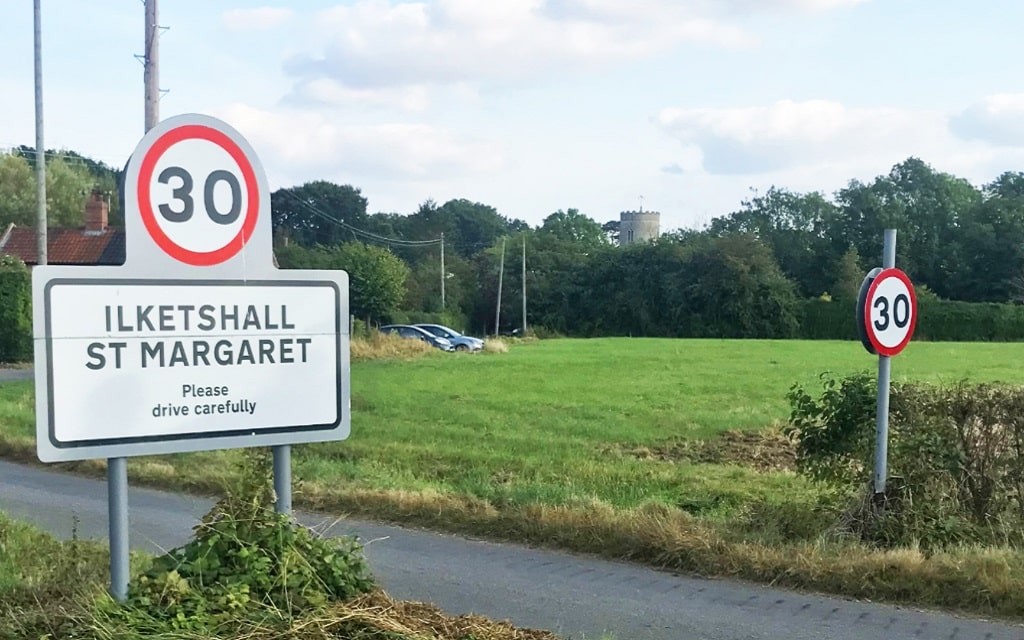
(66, 246)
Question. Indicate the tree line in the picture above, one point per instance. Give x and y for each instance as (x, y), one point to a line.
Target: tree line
(70, 178)
(748, 273)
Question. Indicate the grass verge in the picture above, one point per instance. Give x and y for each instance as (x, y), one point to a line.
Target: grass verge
(613, 447)
(57, 590)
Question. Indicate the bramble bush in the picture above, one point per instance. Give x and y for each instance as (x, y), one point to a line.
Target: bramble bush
(956, 458)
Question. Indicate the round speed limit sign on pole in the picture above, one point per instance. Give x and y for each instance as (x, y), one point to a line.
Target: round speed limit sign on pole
(890, 312)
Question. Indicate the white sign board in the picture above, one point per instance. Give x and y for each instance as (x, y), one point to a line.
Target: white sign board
(198, 341)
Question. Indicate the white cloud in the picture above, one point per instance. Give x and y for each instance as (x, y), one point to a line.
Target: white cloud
(255, 19)
(618, 10)
(752, 140)
(822, 5)
(807, 5)
(821, 145)
(372, 44)
(328, 91)
(303, 142)
(375, 43)
(997, 119)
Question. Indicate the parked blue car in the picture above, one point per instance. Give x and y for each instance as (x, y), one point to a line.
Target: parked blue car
(458, 341)
(416, 333)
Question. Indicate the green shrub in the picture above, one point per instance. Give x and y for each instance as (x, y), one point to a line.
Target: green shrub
(15, 310)
(361, 330)
(543, 333)
(827, 320)
(245, 560)
(834, 432)
(452, 319)
(956, 458)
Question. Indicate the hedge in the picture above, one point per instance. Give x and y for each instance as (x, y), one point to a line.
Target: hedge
(938, 320)
(15, 310)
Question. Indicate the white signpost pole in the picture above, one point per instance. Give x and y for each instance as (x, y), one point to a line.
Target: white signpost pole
(884, 377)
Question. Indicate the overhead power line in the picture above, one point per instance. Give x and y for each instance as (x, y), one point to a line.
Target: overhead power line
(379, 238)
(62, 155)
(361, 232)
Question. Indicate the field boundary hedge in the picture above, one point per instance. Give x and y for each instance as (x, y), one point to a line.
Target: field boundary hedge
(938, 321)
(15, 310)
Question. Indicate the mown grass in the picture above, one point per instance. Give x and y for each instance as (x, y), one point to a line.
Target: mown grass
(540, 444)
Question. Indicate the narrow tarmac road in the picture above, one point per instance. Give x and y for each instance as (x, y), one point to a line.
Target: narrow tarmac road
(575, 596)
(15, 374)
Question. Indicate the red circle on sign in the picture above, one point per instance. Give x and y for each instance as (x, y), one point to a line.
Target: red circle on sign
(880, 348)
(148, 166)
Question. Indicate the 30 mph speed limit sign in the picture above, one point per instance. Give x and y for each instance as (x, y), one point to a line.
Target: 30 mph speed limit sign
(198, 195)
(889, 312)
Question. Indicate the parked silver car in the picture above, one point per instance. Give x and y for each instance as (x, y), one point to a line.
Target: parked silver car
(416, 333)
(459, 341)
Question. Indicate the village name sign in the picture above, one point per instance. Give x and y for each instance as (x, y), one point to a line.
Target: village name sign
(198, 341)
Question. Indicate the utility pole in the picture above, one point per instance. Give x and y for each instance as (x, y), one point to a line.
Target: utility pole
(501, 273)
(40, 149)
(524, 286)
(442, 271)
(151, 66)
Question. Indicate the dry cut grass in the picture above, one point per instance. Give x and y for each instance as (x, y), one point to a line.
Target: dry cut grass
(374, 616)
(495, 345)
(380, 346)
(378, 612)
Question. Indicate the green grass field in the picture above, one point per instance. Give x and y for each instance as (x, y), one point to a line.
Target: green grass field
(553, 422)
(557, 422)
(559, 435)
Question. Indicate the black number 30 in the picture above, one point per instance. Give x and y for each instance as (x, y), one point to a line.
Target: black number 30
(183, 194)
(900, 312)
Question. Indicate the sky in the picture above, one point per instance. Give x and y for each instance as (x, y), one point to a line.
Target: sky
(686, 107)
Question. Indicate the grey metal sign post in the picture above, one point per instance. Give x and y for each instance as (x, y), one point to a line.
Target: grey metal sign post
(886, 317)
(198, 341)
(884, 382)
(117, 524)
(282, 454)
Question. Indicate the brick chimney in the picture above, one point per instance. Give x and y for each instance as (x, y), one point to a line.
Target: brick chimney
(96, 210)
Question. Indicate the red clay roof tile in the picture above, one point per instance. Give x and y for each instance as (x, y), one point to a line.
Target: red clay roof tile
(67, 246)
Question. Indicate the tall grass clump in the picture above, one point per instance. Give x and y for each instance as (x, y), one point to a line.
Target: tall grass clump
(495, 345)
(379, 346)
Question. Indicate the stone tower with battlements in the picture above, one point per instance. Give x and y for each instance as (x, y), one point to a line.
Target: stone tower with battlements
(638, 226)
